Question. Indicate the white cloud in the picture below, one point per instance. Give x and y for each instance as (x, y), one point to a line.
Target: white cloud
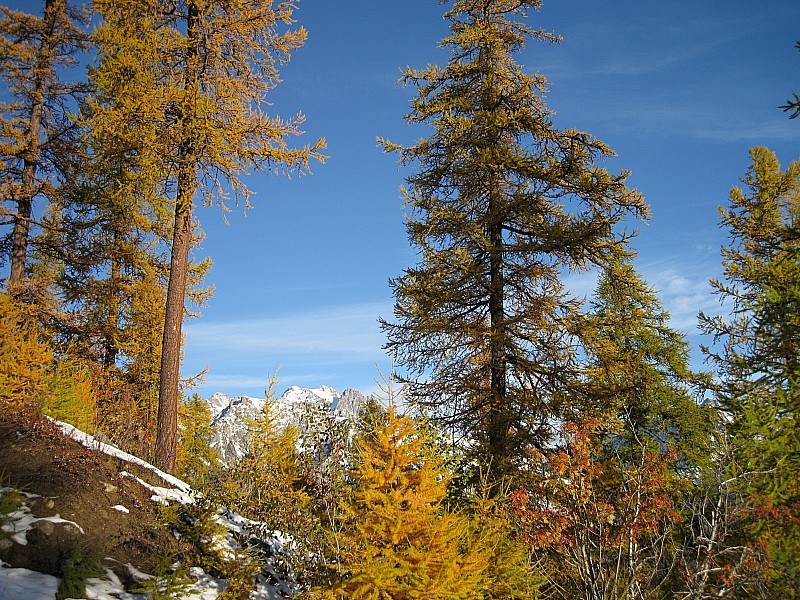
(581, 284)
(683, 294)
(638, 116)
(351, 329)
(337, 346)
(683, 291)
(340, 346)
(739, 129)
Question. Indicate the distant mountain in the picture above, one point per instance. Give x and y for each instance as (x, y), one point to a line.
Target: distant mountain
(318, 414)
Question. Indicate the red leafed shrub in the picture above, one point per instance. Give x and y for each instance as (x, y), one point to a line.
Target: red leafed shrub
(603, 514)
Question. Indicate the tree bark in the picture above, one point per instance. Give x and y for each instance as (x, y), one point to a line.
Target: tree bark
(498, 421)
(168, 391)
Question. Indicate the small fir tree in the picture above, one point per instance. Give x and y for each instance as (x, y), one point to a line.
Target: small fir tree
(72, 394)
(402, 542)
(270, 485)
(31, 375)
(197, 459)
(24, 358)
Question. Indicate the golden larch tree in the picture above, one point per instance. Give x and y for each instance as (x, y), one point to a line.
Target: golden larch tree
(402, 542)
(199, 121)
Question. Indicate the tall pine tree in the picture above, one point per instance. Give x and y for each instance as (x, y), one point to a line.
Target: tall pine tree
(503, 205)
(107, 235)
(199, 120)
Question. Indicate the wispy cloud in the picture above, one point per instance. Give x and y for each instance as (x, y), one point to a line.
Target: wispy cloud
(683, 290)
(234, 382)
(351, 329)
(737, 129)
(337, 346)
(340, 346)
(636, 66)
(684, 294)
(640, 117)
(581, 284)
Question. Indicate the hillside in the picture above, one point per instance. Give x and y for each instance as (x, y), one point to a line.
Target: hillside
(74, 512)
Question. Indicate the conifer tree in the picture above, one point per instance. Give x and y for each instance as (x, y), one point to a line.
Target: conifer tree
(24, 358)
(107, 235)
(271, 485)
(197, 459)
(268, 484)
(32, 50)
(189, 85)
(107, 230)
(639, 383)
(503, 204)
(758, 358)
(402, 542)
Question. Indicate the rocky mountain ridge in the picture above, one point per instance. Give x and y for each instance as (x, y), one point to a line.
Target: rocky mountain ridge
(315, 412)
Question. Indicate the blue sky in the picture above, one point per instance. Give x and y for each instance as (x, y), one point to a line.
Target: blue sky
(680, 90)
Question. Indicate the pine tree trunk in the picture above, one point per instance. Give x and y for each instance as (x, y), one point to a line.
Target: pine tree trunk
(30, 158)
(111, 326)
(166, 436)
(497, 425)
(19, 244)
(167, 425)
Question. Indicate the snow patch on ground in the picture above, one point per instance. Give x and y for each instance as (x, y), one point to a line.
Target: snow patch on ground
(20, 521)
(94, 444)
(160, 494)
(110, 588)
(22, 584)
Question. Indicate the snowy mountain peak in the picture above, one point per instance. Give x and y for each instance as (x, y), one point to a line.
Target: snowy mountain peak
(229, 417)
(217, 403)
(297, 394)
(312, 411)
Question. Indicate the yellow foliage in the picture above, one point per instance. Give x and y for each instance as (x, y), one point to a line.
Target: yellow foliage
(24, 357)
(196, 459)
(29, 373)
(402, 542)
(72, 396)
(268, 484)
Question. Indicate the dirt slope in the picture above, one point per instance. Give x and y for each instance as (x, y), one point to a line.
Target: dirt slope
(82, 486)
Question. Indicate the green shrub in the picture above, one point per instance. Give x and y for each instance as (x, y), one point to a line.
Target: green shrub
(75, 570)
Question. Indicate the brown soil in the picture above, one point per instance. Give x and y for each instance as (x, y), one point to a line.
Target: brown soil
(80, 485)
